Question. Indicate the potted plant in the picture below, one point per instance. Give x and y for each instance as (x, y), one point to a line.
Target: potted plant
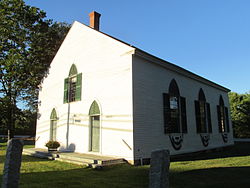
(52, 145)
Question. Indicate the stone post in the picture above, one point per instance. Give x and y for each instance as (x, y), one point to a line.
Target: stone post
(159, 169)
(12, 164)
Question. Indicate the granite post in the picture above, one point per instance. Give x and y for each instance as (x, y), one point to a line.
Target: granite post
(159, 169)
(11, 172)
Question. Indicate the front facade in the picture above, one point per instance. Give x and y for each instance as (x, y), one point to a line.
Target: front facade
(106, 97)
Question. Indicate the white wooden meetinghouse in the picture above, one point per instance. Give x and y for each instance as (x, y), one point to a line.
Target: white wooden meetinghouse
(106, 97)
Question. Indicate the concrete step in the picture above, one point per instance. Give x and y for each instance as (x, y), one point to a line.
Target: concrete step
(90, 160)
(69, 157)
(113, 161)
(73, 162)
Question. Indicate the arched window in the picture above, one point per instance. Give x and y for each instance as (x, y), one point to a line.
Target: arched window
(94, 109)
(223, 119)
(73, 70)
(174, 107)
(53, 124)
(202, 113)
(73, 86)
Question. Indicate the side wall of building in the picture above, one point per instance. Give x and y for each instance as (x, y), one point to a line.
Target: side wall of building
(106, 70)
(150, 81)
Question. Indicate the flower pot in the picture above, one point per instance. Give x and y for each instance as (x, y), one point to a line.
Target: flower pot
(52, 150)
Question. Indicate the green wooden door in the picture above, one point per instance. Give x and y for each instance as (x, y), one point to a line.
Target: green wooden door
(53, 124)
(95, 133)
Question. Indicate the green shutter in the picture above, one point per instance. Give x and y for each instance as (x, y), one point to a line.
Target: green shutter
(79, 87)
(66, 87)
(227, 119)
(219, 118)
(209, 118)
(166, 113)
(197, 116)
(183, 115)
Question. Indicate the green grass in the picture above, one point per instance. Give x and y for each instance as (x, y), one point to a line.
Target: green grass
(230, 168)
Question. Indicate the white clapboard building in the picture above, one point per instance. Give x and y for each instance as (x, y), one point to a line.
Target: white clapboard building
(107, 97)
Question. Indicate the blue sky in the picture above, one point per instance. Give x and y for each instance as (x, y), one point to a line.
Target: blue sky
(208, 37)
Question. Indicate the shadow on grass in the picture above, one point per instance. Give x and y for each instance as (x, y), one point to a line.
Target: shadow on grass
(237, 150)
(125, 176)
(122, 176)
(25, 158)
(212, 177)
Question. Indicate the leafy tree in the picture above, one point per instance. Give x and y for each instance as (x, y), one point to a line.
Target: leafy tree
(28, 42)
(25, 120)
(25, 123)
(240, 113)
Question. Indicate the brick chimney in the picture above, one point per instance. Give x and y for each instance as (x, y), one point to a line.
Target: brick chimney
(94, 20)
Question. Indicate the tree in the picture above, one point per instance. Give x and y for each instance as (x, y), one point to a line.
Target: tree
(28, 43)
(25, 120)
(240, 113)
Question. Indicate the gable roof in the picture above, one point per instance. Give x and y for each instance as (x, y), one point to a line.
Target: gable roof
(166, 64)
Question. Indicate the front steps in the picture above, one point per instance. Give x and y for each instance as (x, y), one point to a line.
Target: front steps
(90, 160)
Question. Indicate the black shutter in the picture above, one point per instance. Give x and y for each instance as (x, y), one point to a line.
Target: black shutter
(219, 118)
(166, 113)
(209, 122)
(198, 116)
(227, 119)
(183, 115)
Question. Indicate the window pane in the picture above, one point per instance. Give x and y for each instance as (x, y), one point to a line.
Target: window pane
(222, 119)
(173, 103)
(72, 89)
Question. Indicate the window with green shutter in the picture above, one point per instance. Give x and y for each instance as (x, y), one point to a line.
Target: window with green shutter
(72, 86)
(202, 114)
(174, 110)
(222, 114)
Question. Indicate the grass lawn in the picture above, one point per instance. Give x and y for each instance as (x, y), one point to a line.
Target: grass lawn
(229, 168)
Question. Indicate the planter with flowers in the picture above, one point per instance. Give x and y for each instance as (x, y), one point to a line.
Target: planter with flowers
(52, 146)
